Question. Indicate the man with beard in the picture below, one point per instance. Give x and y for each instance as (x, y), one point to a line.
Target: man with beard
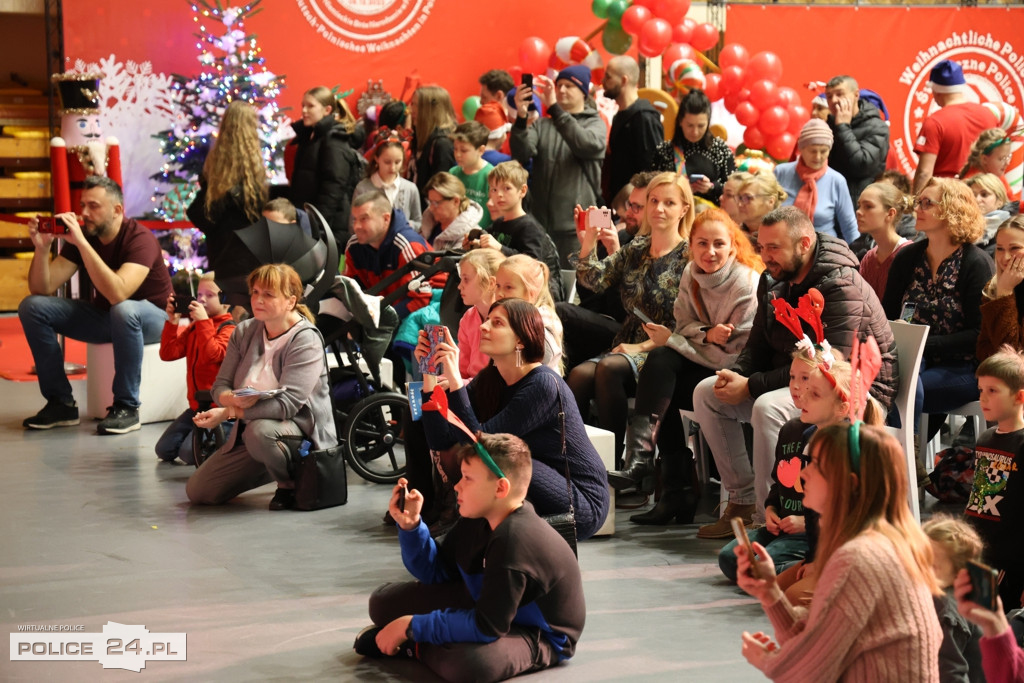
(636, 128)
(130, 286)
(755, 389)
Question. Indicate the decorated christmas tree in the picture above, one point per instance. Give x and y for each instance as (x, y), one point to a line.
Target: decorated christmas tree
(232, 68)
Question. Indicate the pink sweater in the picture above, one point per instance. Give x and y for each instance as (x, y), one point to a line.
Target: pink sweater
(471, 361)
(867, 622)
(1001, 659)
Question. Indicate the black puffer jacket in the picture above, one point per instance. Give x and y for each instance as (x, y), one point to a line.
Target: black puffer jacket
(860, 147)
(225, 217)
(851, 306)
(326, 172)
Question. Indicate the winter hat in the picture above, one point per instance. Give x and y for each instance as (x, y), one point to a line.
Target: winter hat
(492, 115)
(814, 132)
(578, 75)
(819, 101)
(947, 76)
(511, 99)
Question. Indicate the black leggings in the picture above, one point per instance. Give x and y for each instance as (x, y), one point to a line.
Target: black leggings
(610, 383)
(665, 387)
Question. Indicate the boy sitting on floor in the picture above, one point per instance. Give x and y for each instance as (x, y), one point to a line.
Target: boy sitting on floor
(501, 596)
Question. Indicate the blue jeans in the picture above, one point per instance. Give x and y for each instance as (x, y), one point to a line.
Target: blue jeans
(785, 550)
(129, 326)
(176, 441)
(943, 388)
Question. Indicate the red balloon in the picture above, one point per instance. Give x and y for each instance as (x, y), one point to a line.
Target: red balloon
(705, 37)
(763, 94)
(649, 4)
(774, 120)
(781, 146)
(534, 54)
(655, 36)
(733, 54)
(634, 18)
(788, 97)
(731, 101)
(746, 113)
(671, 11)
(732, 79)
(677, 51)
(765, 65)
(713, 86)
(683, 32)
(753, 138)
(798, 116)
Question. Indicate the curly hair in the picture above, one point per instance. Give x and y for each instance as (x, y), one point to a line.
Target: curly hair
(958, 208)
(987, 139)
(742, 249)
(236, 162)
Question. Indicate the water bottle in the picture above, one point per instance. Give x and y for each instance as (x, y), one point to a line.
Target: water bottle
(304, 448)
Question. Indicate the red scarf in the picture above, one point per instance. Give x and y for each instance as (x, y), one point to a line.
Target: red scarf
(807, 197)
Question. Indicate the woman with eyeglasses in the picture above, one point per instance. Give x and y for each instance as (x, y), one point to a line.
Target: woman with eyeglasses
(433, 119)
(700, 155)
(759, 194)
(450, 214)
(990, 153)
(938, 282)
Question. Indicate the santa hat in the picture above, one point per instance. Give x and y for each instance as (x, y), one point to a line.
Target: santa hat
(947, 76)
(492, 115)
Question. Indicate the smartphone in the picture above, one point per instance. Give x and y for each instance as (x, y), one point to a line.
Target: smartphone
(907, 314)
(740, 531)
(402, 492)
(696, 177)
(600, 218)
(52, 225)
(435, 335)
(528, 80)
(182, 302)
(983, 584)
(643, 318)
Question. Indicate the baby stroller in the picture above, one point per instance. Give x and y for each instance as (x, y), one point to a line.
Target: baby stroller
(359, 326)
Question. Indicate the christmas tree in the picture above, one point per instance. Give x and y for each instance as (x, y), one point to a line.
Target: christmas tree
(232, 69)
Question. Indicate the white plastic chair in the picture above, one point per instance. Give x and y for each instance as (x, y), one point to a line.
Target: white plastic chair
(968, 410)
(909, 341)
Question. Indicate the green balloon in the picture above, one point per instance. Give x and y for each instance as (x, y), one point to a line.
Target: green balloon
(469, 107)
(616, 8)
(600, 8)
(616, 40)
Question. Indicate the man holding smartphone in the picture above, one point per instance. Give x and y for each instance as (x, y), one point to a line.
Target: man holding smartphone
(125, 305)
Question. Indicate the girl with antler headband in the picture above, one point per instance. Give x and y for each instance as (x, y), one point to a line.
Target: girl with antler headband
(384, 173)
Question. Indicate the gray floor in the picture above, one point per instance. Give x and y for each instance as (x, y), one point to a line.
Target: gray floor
(96, 530)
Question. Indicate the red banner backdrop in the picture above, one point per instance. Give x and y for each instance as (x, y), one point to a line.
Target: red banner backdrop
(891, 50)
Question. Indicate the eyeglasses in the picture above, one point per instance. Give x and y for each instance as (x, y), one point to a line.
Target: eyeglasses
(747, 198)
(924, 203)
(437, 202)
(634, 207)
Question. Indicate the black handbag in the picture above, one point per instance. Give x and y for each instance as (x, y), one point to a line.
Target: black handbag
(320, 479)
(565, 522)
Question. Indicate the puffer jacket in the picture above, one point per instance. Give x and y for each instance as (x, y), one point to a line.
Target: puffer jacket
(860, 147)
(450, 237)
(851, 307)
(566, 151)
(325, 173)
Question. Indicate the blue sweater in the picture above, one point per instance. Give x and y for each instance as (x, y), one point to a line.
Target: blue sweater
(833, 214)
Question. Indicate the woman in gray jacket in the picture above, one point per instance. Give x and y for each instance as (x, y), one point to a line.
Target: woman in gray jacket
(280, 354)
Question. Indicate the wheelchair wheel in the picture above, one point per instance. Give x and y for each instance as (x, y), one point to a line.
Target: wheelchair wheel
(374, 443)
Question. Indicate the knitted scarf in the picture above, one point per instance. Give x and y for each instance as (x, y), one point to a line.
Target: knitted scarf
(807, 198)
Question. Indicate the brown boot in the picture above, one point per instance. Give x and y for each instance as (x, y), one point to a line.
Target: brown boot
(723, 527)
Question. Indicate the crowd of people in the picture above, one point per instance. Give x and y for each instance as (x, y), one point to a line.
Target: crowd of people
(758, 302)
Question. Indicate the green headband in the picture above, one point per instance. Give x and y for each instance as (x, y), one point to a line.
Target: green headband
(998, 143)
(488, 460)
(855, 446)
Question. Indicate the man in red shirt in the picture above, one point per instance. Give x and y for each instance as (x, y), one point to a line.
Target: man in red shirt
(947, 135)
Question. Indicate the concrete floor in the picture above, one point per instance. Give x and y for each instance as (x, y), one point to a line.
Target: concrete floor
(94, 529)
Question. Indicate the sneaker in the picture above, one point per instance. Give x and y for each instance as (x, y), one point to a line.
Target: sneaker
(284, 499)
(54, 414)
(723, 527)
(120, 419)
(366, 642)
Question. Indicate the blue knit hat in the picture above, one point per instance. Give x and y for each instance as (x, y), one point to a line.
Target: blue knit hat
(578, 75)
(947, 76)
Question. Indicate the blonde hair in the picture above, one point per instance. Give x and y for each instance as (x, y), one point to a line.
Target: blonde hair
(892, 197)
(871, 497)
(985, 139)
(281, 279)
(766, 185)
(842, 372)
(508, 172)
(533, 275)
(683, 185)
(485, 263)
(343, 115)
(958, 208)
(434, 111)
(990, 182)
(1013, 223)
(449, 187)
(958, 538)
(236, 161)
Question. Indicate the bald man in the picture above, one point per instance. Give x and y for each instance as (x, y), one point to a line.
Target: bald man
(636, 128)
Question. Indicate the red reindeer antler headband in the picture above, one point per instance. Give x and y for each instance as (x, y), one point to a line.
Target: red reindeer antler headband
(809, 309)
